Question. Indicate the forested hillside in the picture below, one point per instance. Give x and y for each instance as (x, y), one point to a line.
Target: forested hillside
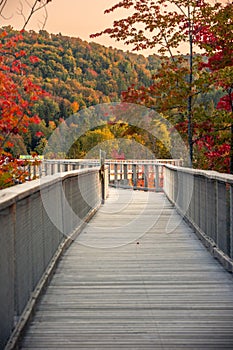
(73, 70)
(75, 74)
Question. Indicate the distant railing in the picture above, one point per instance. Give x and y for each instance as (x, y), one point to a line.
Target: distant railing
(32, 237)
(177, 162)
(205, 199)
(53, 166)
(145, 174)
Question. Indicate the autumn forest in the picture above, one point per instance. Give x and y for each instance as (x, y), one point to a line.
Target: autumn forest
(46, 78)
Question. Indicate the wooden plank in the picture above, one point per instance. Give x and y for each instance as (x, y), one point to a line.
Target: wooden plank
(136, 278)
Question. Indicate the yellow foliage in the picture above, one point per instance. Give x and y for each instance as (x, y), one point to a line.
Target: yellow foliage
(74, 107)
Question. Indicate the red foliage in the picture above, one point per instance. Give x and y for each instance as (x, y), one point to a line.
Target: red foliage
(17, 96)
(34, 59)
(226, 103)
(217, 39)
(12, 171)
(39, 134)
(17, 91)
(92, 72)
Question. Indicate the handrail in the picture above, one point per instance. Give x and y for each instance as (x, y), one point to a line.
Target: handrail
(205, 200)
(52, 166)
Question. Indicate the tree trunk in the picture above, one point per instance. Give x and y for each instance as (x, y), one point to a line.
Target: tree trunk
(190, 128)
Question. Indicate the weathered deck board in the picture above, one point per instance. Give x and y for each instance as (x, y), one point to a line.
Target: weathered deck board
(120, 287)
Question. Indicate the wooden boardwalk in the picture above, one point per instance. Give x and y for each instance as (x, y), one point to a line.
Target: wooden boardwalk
(136, 278)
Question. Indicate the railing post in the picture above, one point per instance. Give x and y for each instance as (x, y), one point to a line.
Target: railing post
(125, 174)
(125, 171)
(34, 171)
(146, 174)
(202, 186)
(180, 190)
(156, 180)
(121, 171)
(166, 184)
(176, 185)
(102, 174)
(58, 167)
(115, 172)
(45, 168)
(222, 218)
(211, 208)
(134, 169)
(196, 200)
(41, 169)
(109, 172)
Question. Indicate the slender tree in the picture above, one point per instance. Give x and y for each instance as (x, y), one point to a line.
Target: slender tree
(165, 25)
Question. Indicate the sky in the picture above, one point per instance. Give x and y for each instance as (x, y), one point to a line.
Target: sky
(78, 18)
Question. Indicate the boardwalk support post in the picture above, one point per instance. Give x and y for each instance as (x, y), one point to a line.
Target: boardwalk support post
(102, 174)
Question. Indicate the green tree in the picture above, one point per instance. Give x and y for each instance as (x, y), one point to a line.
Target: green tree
(47, 109)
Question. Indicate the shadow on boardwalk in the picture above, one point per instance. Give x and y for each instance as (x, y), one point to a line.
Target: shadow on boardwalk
(136, 278)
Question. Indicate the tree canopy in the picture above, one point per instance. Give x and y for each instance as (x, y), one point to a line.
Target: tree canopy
(46, 78)
(183, 84)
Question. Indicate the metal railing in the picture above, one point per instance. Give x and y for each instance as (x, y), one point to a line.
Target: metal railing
(52, 166)
(137, 176)
(205, 199)
(142, 174)
(33, 236)
(177, 162)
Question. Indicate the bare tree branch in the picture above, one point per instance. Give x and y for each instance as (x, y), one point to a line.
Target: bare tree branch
(45, 19)
(35, 7)
(2, 6)
(41, 4)
(20, 11)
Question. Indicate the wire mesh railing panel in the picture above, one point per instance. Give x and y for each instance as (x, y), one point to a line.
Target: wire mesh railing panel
(34, 222)
(7, 280)
(23, 254)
